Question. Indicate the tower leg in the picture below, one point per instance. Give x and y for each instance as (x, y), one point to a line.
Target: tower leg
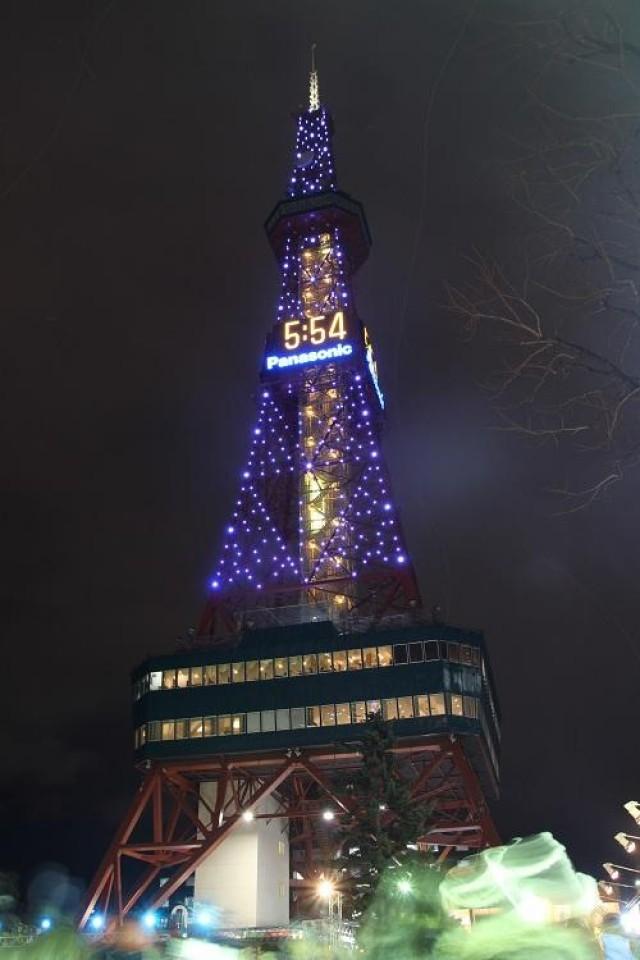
(253, 823)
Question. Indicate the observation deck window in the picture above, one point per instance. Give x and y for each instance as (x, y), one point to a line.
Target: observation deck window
(385, 656)
(370, 656)
(339, 661)
(421, 706)
(390, 709)
(436, 703)
(328, 715)
(281, 667)
(266, 669)
(182, 729)
(325, 662)
(155, 730)
(343, 713)
(237, 672)
(253, 722)
(470, 705)
(268, 721)
(358, 712)
(210, 674)
(416, 653)
(297, 718)
(237, 723)
(310, 663)
(282, 719)
(456, 705)
(354, 659)
(313, 716)
(168, 730)
(225, 725)
(405, 708)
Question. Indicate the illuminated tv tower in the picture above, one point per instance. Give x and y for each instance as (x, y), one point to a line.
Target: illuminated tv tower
(246, 736)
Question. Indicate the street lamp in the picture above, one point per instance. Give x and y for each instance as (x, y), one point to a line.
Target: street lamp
(404, 886)
(633, 808)
(328, 815)
(608, 888)
(325, 889)
(626, 841)
(613, 869)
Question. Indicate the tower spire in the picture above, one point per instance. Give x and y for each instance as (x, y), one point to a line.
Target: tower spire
(314, 93)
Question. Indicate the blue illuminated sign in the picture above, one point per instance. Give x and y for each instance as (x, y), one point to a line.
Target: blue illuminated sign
(373, 366)
(275, 362)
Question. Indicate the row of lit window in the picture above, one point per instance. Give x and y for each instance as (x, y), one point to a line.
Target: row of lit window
(299, 718)
(304, 664)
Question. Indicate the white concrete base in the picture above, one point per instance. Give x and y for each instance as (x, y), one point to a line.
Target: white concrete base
(247, 877)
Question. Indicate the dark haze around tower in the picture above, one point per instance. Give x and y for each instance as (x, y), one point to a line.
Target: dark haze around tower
(314, 532)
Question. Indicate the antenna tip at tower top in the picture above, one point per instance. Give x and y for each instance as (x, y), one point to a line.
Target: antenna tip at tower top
(314, 93)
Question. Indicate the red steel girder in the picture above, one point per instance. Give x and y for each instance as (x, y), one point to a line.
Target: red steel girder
(170, 826)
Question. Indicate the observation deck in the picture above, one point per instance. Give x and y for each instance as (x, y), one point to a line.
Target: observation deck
(310, 685)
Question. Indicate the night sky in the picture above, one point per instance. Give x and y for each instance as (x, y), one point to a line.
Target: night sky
(141, 147)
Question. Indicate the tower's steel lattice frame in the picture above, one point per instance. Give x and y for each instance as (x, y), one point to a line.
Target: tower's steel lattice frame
(166, 830)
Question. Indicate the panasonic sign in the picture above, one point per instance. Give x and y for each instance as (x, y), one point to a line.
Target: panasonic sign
(274, 362)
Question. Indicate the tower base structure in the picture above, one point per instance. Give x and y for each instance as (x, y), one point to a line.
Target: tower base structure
(247, 877)
(237, 800)
(234, 850)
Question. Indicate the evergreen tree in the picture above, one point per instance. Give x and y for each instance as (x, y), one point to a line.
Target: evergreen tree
(375, 837)
(406, 919)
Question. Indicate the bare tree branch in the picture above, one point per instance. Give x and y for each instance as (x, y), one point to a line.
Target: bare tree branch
(565, 314)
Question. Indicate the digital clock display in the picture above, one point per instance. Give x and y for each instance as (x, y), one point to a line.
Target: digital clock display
(308, 340)
(314, 331)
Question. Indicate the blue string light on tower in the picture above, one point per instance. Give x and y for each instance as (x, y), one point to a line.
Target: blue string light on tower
(314, 530)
